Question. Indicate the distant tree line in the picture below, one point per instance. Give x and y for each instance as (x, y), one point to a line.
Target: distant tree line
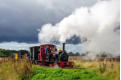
(73, 54)
(8, 53)
(101, 54)
(104, 54)
(5, 53)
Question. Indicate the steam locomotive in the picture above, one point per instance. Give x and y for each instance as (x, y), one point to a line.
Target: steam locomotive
(46, 55)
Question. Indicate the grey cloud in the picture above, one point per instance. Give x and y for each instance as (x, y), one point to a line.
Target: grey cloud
(20, 19)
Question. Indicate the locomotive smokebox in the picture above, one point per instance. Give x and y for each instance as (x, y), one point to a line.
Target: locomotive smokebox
(63, 46)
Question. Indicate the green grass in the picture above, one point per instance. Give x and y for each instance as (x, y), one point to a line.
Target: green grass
(41, 73)
(90, 71)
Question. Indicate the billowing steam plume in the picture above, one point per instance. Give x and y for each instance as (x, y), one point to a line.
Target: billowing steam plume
(99, 24)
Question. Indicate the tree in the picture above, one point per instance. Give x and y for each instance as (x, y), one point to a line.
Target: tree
(5, 53)
(73, 54)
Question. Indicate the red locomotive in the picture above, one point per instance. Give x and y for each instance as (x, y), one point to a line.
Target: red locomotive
(48, 55)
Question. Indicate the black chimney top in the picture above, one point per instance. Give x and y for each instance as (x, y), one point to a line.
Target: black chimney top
(63, 46)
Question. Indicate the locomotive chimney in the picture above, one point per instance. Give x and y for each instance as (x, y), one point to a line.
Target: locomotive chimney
(63, 46)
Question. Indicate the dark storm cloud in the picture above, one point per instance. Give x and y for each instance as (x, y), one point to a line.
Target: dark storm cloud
(20, 19)
(74, 40)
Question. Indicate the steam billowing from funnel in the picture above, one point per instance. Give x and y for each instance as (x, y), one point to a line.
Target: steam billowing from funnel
(98, 24)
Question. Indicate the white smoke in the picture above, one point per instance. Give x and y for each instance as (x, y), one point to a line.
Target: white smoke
(96, 23)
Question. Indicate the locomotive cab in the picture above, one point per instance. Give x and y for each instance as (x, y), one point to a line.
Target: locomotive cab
(47, 54)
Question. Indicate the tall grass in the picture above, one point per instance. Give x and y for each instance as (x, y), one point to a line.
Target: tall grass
(109, 70)
(15, 70)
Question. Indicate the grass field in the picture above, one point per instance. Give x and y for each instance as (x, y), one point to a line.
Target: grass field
(15, 70)
(83, 70)
(63, 74)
